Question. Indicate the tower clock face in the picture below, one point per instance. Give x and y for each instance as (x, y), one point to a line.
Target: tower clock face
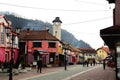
(57, 24)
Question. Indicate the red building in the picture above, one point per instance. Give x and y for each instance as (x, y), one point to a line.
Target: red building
(36, 44)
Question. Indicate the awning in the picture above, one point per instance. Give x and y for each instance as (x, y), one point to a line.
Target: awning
(110, 35)
(38, 52)
(42, 50)
(108, 58)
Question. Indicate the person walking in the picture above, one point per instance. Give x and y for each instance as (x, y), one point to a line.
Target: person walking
(39, 65)
(87, 63)
(104, 64)
(94, 62)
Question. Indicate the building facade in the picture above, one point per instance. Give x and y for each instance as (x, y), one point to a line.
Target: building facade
(87, 54)
(39, 44)
(8, 41)
(102, 53)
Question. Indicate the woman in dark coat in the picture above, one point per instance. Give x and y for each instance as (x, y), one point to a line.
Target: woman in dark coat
(39, 65)
(104, 64)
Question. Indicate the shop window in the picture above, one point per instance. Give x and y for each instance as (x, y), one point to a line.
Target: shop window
(35, 57)
(6, 57)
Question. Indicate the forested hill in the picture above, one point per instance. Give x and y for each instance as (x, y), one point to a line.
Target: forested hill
(39, 24)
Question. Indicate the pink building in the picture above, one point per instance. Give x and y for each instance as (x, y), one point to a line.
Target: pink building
(39, 44)
(74, 52)
(6, 41)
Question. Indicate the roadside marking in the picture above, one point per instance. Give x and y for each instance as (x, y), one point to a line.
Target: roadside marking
(38, 75)
(68, 78)
(57, 72)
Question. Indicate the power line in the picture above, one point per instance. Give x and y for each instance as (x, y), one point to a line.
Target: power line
(87, 21)
(85, 33)
(52, 9)
(91, 3)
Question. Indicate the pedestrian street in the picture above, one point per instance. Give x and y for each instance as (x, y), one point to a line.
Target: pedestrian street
(62, 74)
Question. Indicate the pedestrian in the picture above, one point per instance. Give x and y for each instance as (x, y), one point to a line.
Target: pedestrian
(39, 65)
(87, 63)
(91, 62)
(104, 64)
(83, 63)
(94, 62)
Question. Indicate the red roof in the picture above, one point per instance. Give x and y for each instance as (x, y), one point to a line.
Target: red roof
(105, 48)
(87, 50)
(37, 35)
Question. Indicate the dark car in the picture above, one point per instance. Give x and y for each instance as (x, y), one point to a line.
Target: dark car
(111, 64)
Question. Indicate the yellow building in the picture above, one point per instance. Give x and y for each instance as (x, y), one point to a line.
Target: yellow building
(102, 53)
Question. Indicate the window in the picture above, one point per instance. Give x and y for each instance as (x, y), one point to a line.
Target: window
(51, 44)
(2, 29)
(37, 44)
(1, 38)
(6, 57)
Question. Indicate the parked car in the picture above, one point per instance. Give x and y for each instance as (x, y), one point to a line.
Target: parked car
(111, 64)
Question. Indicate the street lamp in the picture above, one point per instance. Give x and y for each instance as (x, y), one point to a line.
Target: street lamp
(65, 47)
(83, 57)
(9, 32)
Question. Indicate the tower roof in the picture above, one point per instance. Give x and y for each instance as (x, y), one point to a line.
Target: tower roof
(57, 19)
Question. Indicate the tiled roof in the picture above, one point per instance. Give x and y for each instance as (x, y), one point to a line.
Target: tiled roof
(105, 48)
(87, 50)
(37, 35)
(71, 47)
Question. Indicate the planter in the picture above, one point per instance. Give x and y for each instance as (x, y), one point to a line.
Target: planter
(23, 70)
(16, 71)
(28, 68)
(49, 65)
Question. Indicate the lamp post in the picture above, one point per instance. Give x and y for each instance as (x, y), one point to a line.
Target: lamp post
(83, 58)
(65, 60)
(9, 32)
(65, 47)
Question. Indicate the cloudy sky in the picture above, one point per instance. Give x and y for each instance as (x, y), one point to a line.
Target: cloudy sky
(82, 18)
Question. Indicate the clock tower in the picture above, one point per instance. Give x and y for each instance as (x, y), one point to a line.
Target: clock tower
(57, 28)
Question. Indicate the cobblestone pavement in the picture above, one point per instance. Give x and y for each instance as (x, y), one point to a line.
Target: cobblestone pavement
(95, 74)
(61, 74)
(58, 73)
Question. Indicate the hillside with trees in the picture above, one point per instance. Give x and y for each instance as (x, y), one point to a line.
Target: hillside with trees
(25, 23)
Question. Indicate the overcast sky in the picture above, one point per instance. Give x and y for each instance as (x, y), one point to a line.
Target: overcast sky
(82, 18)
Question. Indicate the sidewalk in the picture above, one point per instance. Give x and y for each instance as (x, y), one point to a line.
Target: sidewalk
(33, 72)
(95, 74)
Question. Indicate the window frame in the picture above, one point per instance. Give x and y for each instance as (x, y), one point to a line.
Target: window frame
(51, 44)
(37, 44)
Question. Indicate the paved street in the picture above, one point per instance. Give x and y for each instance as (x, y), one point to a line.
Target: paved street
(76, 72)
(95, 74)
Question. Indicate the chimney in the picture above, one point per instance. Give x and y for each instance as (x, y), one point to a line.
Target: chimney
(28, 31)
(47, 29)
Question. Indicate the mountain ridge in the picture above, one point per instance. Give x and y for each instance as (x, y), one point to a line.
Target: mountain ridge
(25, 23)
